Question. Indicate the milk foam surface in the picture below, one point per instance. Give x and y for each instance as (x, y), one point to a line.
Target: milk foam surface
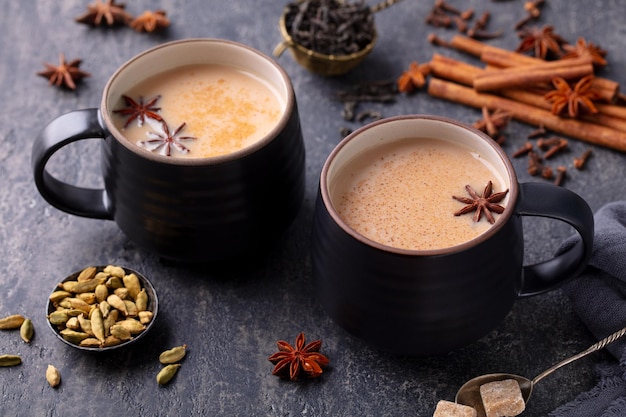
(225, 108)
(400, 195)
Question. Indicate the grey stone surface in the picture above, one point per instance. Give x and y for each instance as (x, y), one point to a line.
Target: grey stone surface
(231, 318)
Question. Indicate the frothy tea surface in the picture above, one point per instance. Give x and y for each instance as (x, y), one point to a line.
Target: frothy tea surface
(223, 110)
(400, 194)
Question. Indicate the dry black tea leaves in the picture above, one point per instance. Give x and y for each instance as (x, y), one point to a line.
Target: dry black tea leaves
(330, 27)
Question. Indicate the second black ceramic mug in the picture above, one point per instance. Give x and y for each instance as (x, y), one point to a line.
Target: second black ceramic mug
(202, 209)
(425, 302)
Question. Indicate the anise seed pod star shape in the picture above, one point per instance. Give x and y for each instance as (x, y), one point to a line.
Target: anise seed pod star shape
(165, 141)
(413, 78)
(65, 74)
(150, 21)
(138, 110)
(540, 41)
(485, 203)
(291, 361)
(581, 96)
(109, 13)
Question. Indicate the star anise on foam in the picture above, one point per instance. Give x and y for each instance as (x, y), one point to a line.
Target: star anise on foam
(138, 110)
(109, 13)
(581, 96)
(540, 41)
(414, 78)
(150, 21)
(292, 361)
(165, 141)
(584, 49)
(65, 74)
(485, 203)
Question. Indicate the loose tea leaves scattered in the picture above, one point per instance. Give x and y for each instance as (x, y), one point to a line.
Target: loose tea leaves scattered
(330, 27)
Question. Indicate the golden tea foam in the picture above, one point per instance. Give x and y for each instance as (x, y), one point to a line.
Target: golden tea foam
(400, 194)
(202, 110)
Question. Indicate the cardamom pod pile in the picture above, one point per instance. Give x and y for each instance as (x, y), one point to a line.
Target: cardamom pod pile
(101, 307)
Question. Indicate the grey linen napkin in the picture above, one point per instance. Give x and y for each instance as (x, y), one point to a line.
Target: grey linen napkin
(598, 296)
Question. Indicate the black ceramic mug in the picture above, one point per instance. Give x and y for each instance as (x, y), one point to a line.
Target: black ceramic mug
(200, 209)
(425, 302)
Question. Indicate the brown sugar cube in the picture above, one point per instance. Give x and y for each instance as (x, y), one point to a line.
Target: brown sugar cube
(502, 398)
(450, 409)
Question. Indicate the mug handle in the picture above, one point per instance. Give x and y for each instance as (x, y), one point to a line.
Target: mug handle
(65, 129)
(547, 200)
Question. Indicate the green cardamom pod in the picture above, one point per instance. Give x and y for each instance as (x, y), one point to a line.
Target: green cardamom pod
(11, 322)
(111, 341)
(87, 274)
(166, 374)
(173, 355)
(133, 326)
(27, 330)
(53, 376)
(145, 317)
(97, 324)
(10, 360)
(117, 303)
(87, 286)
(73, 336)
(102, 292)
(58, 318)
(114, 282)
(141, 301)
(116, 271)
(131, 282)
(59, 295)
(91, 342)
(131, 308)
(120, 332)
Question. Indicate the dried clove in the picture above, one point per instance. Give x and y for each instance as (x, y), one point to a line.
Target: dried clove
(579, 163)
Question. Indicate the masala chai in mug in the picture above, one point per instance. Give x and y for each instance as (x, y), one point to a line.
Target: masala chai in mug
(401, 193)
(199, 111)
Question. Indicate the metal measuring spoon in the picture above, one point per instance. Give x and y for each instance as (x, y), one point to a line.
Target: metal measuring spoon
(469, 393)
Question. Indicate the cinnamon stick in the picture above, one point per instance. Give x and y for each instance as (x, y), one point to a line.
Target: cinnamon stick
(528, 75)
(460, 72)
(581, 130)
(608, 89)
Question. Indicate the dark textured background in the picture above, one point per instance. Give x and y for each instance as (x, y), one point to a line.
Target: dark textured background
(231, 318)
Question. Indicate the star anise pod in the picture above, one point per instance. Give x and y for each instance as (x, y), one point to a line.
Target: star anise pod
(485, 203)
(65, 74)
(109, 13)
(292, 361)
(582, 95)
(540, 41)
(584, 49)
(150, 21)
(413, 78)
(493, 123)
(166, 141)
(138, 110)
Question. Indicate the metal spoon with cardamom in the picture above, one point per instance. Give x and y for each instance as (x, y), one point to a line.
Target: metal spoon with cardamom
(469, 393)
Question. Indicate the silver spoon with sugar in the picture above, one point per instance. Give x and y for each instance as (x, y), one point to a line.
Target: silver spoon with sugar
(469, 393)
